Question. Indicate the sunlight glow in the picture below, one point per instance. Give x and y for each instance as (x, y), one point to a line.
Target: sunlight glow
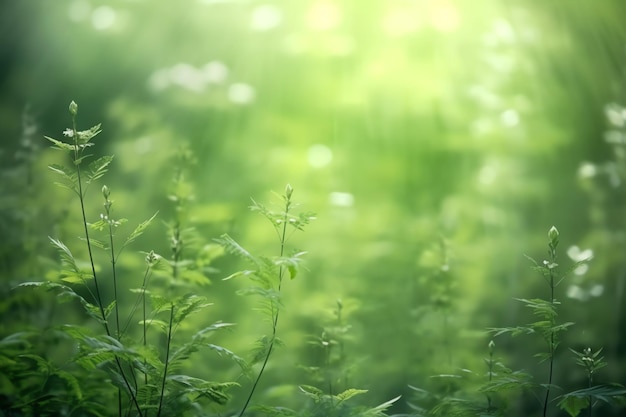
(215, 72)
(341, 199)
(265, 17)
(400, 22)
(587, 170)
(241, 93)
(578, 255)
(445, 17)
(79, 10)
(103, 18)
(509, 118)
(319, 156)
(324, 15)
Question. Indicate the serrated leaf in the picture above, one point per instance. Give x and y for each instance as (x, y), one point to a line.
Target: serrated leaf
(238, 274)
(98, 168)
(69, 177)
(57, 144)
(161, 325)
(85, 136)
(232, 247)
(188, 305)
(349, 393)
(194, 276)
(311, 391)
(139, 230)
(222, 351)
(72, 382)
(380, 409)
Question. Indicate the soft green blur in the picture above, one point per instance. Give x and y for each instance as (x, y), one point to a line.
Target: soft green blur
(437, 141)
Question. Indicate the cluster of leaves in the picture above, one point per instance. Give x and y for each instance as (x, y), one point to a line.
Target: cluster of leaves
(139, 374)
(130, 359)
(499, 381)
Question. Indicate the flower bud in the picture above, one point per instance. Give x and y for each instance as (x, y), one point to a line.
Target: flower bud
(491, 345)
(553, 235)
(152, 258)
(73, 108)
(105, 192)
(288, 191)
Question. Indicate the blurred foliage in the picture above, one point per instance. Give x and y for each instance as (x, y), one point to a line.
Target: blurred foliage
(436, 141)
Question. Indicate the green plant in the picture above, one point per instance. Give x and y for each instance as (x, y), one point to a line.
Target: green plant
(269, 273)
(574, 402)
(546, 312)
(42, 386)
(473, 393)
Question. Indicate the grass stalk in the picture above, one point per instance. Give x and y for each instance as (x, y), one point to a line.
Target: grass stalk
(282, 235)
(81, 195)
(167, 356)
(552, 342)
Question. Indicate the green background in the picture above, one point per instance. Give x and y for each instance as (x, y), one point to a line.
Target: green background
(423, 134)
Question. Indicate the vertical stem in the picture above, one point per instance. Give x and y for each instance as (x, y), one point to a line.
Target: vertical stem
(275, 309)
(552, 341)
(490, 365)
(93, 265)
(84, 215)
(113, 267)
(167, 356)
(590, 399)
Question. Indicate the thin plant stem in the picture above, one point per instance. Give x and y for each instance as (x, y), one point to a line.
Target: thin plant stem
(84, 215)
(167, 356)
(275, 309)
(590, 399)
(114, 269)
(552, 253)
(93, 266)
(490, 375)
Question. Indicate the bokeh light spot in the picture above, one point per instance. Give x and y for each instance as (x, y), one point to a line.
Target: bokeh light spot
(241, 93)
(187, 76)
(509, 118)
(445, 17)
(266, 17)
(324, 15)
(215, 72)
(399, 22)
(341, 199)
(103, 18)
(79, 10)
(319, 156)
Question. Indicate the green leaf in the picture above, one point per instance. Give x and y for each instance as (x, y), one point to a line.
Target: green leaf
(573, 405)
(349, 393)
(215, 391)
(232, 247)
(606, 393)
(238, 274)
(222, 351)
(98, 168)
(69, 178)
(72, 382)
(139, 230)
(291, 263)
(275, 411)
(188, 305)
(198, 340)
(84, 136)
(381, 408)
(312, 392)
(161, 325)
(62, 146)
(193, 276)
